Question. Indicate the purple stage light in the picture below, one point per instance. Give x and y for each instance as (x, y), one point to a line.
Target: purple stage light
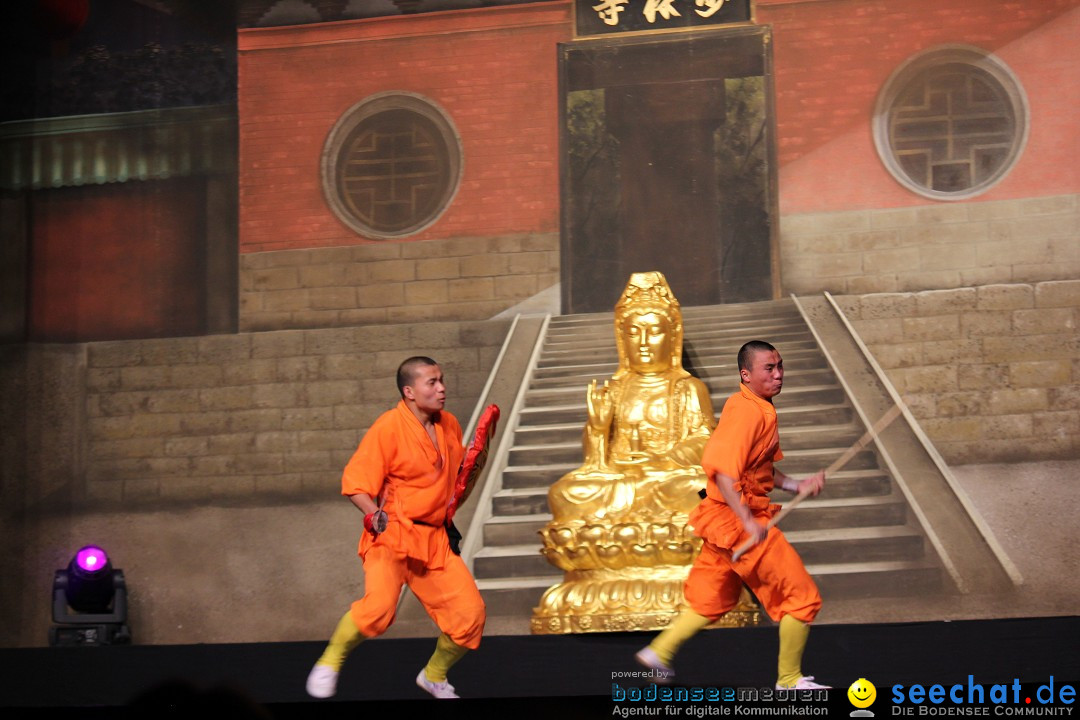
(89, 601)
(91, 558)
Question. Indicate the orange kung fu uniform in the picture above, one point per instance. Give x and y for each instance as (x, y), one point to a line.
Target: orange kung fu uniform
(744, 446)
(397, 461)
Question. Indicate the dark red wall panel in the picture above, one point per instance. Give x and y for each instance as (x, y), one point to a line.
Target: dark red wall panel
(117, 261)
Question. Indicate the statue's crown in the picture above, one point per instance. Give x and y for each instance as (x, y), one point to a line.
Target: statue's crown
(648, 290)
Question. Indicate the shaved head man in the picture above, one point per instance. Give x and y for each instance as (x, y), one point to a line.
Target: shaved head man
(401, 478)
(738, 461)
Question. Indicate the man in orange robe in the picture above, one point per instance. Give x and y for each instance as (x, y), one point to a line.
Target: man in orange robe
(402, 479)
(738, 461)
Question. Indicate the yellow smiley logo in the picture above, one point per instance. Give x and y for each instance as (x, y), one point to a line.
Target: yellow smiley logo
(862, 693)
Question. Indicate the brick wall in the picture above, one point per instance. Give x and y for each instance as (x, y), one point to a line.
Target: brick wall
(255, 415)
(459, 279)
(493, 71)
(832, 57)
(932, 247)
(991, 372)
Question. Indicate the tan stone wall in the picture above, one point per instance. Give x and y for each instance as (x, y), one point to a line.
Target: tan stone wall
(190, 459)
(945, 245)
(991, 372)
(458, 279)
(256, 415)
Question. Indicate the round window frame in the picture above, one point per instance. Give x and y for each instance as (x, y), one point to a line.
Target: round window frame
(351, 119)
(942, 55)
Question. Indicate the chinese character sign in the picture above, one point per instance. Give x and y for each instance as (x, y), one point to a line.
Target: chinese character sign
(599, 17)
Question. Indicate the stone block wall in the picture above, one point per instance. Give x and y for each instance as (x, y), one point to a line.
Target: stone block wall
(932, 247)
(437, 280)
(991, 372)
(190, 459)
(252, 417)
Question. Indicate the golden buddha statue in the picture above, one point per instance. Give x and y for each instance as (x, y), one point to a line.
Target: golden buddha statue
(619, 522)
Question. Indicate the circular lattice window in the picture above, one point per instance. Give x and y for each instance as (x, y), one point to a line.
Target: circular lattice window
(391, 165)
(951, 122)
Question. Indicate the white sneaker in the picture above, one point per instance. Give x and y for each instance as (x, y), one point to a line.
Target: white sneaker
(322, 681)
(661, 673)
(441, 690)
(806, 682)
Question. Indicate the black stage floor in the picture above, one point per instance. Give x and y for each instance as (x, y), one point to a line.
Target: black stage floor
(530, 676)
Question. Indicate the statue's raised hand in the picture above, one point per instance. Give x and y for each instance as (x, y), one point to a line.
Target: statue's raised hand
(601, 407)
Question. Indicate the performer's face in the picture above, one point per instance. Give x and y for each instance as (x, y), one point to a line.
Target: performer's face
(427, 389)
(648, 342)
(765, 377)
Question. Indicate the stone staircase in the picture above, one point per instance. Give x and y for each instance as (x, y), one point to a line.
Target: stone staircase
(859, 539)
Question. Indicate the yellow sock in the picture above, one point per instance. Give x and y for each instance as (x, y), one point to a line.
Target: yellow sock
(447, 652)
(793, 634)
(345, 638)
(667, 643)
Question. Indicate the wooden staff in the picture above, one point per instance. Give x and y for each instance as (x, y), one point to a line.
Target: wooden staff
(868, 436)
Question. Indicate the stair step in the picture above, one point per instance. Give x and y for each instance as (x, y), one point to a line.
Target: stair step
(810, 460)
(805, 437)
(765, 327)
(841, 547)
(514, 530)
(719, 365)
(554, 433)
(796, 459)
(518, 596)
(831, 513)
(827, 409)
(813, 414)
(793, 396)
(779, 334)
(719, 378)
(515, 596)
(535, 476)
(812, 514)
(847, 483)
(577, 351)
(807, 389)
(877, 579)
(531, 581)
(790, 437)
(728, 312)
(528, 493)
(857, 545)
(715, 315)
(546, 454)
(512, 561)
(526, 501)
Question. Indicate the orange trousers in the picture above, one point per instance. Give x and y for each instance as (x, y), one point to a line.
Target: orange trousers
(771, 569)
(449, 594)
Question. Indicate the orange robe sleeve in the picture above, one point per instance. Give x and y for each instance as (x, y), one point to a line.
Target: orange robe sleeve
(732, 444)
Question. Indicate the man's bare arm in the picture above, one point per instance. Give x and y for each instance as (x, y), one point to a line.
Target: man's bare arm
(364, 502)
(375, 518)
(810, 485)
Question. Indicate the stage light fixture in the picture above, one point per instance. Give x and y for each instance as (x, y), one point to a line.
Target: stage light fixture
(89, 601)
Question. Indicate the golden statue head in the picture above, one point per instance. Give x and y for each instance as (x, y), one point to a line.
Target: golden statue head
(648, 326)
